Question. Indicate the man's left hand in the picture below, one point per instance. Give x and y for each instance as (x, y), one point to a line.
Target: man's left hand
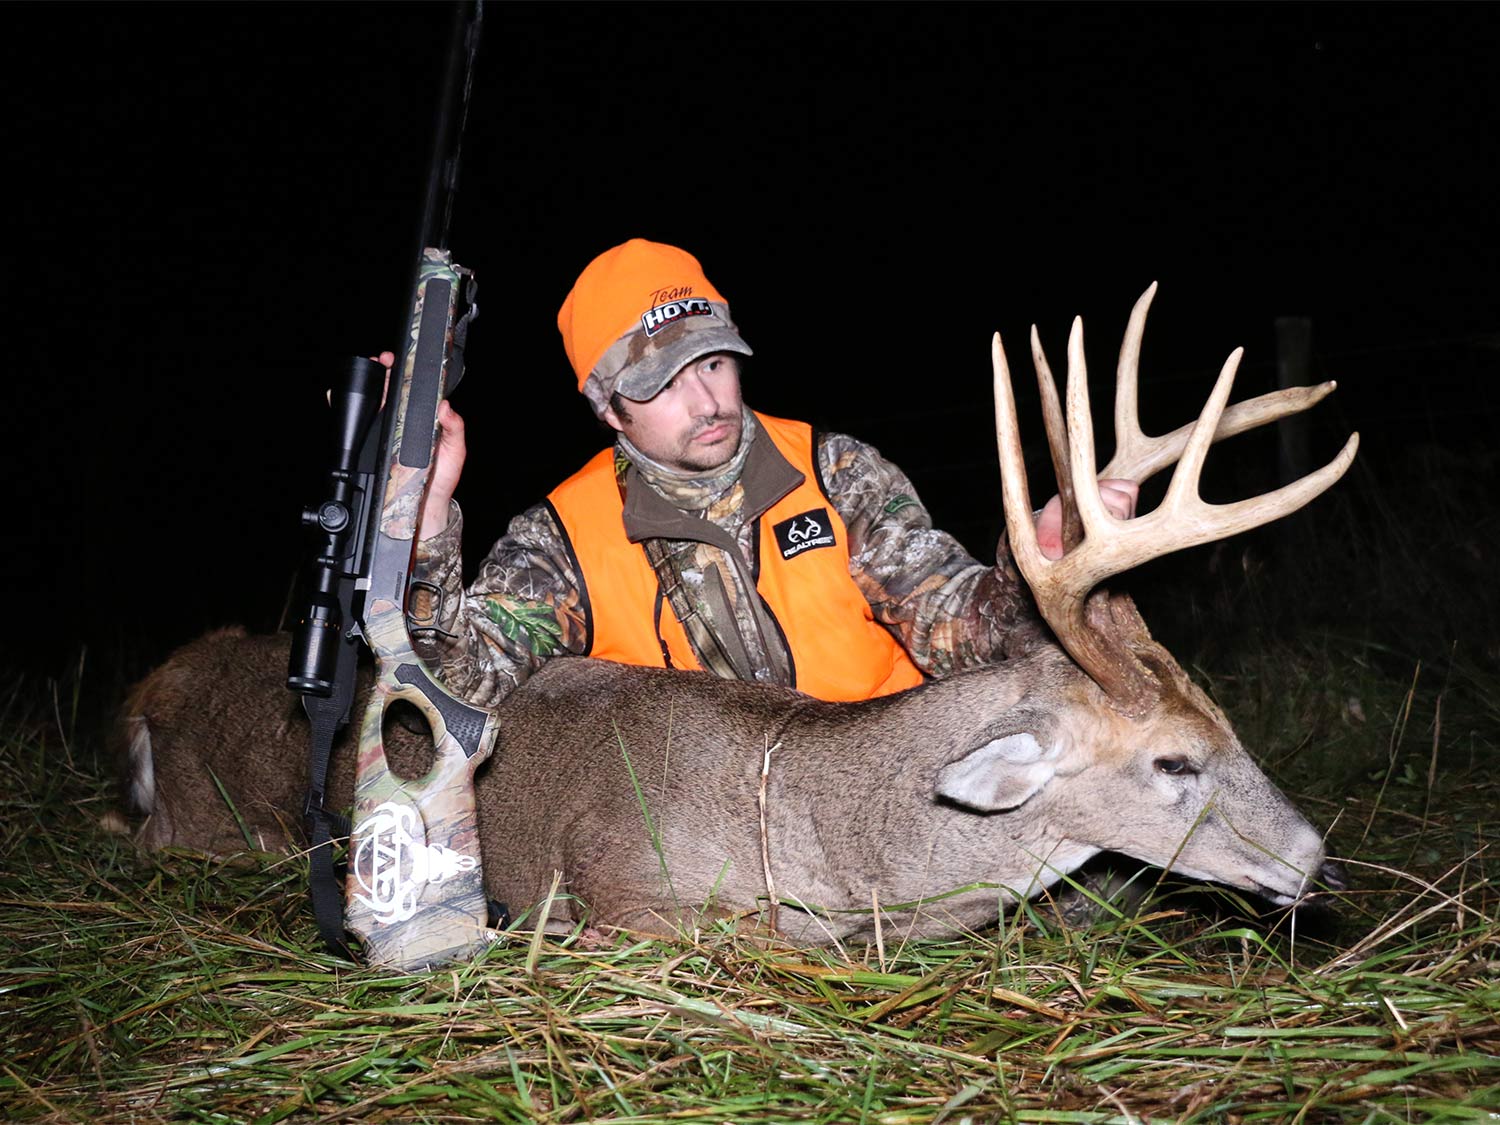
(1119, 498)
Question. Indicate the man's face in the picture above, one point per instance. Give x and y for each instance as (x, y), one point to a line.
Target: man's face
(693, 423)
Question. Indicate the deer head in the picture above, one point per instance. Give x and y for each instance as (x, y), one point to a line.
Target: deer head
(1165, 754)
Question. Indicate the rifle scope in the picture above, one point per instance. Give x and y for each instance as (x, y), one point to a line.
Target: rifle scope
(339, 521)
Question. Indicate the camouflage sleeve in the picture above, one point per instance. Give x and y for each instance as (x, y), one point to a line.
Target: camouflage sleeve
(949, 610)
(523, 607)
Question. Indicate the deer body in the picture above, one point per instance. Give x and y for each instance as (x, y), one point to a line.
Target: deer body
(902, 799)
(1003, 777)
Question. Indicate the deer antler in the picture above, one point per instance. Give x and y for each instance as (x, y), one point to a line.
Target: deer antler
(1102, 546)
(1138, 457)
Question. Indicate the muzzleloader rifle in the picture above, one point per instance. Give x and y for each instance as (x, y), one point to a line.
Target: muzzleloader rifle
(413, 889)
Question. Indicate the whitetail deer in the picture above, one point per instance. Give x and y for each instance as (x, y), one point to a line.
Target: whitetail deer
(663, 797)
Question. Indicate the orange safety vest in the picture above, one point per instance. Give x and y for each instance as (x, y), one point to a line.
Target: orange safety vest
(838, 650)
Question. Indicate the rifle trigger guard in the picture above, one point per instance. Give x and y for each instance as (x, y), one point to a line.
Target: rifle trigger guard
(433, 601)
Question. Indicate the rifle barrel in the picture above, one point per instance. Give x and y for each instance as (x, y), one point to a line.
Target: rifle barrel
(448, 128)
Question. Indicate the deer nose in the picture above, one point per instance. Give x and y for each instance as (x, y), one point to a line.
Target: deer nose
(1331, 875)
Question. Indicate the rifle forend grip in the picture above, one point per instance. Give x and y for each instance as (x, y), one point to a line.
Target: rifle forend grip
(431, 348)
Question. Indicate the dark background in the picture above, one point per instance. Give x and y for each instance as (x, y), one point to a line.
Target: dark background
(212, 204)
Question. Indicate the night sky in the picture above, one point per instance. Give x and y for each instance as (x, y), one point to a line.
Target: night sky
(214, 203)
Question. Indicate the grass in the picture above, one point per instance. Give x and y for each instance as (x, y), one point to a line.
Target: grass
(174, 988)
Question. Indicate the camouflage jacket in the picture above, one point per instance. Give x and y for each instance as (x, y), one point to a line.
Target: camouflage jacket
(948, 610)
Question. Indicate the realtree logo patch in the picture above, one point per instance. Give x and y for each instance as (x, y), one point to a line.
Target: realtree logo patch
(897, 502)
(655, 319)
(806, 532)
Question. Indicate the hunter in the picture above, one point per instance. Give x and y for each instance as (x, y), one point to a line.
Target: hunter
(710, 536)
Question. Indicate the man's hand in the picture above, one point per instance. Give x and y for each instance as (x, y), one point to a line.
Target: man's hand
(447, 467)
(1119, 498)
(447, 461)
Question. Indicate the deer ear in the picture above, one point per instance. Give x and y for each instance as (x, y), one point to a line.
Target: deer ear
(1002, 774)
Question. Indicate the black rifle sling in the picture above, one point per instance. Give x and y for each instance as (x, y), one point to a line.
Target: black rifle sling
(326, 718)
(325, 881)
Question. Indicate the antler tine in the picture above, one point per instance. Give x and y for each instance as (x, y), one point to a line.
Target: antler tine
(1184, 485)
(1130, 440)
(1015, 494)
(1081, 436)
(1057, 442)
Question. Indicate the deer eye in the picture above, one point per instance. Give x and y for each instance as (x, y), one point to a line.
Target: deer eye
(1179, 767)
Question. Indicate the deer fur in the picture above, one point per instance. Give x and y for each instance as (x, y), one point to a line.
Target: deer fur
(643, 787)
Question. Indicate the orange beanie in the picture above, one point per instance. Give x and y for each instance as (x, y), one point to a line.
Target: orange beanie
(638, 314)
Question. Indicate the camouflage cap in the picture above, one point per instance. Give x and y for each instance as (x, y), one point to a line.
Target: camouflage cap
(637, 315)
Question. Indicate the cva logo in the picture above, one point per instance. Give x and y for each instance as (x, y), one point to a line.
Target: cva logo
(393, 862)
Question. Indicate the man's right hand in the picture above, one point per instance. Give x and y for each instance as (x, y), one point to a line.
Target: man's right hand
(447, 461)
(447, 467)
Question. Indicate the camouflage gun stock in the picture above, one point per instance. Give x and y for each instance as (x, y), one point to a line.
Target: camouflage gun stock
(413, 890)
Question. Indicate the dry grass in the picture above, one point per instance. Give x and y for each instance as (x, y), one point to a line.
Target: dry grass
(144, 989)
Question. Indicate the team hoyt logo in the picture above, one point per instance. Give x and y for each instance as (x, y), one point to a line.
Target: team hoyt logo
(679, 306)
(805, 532)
